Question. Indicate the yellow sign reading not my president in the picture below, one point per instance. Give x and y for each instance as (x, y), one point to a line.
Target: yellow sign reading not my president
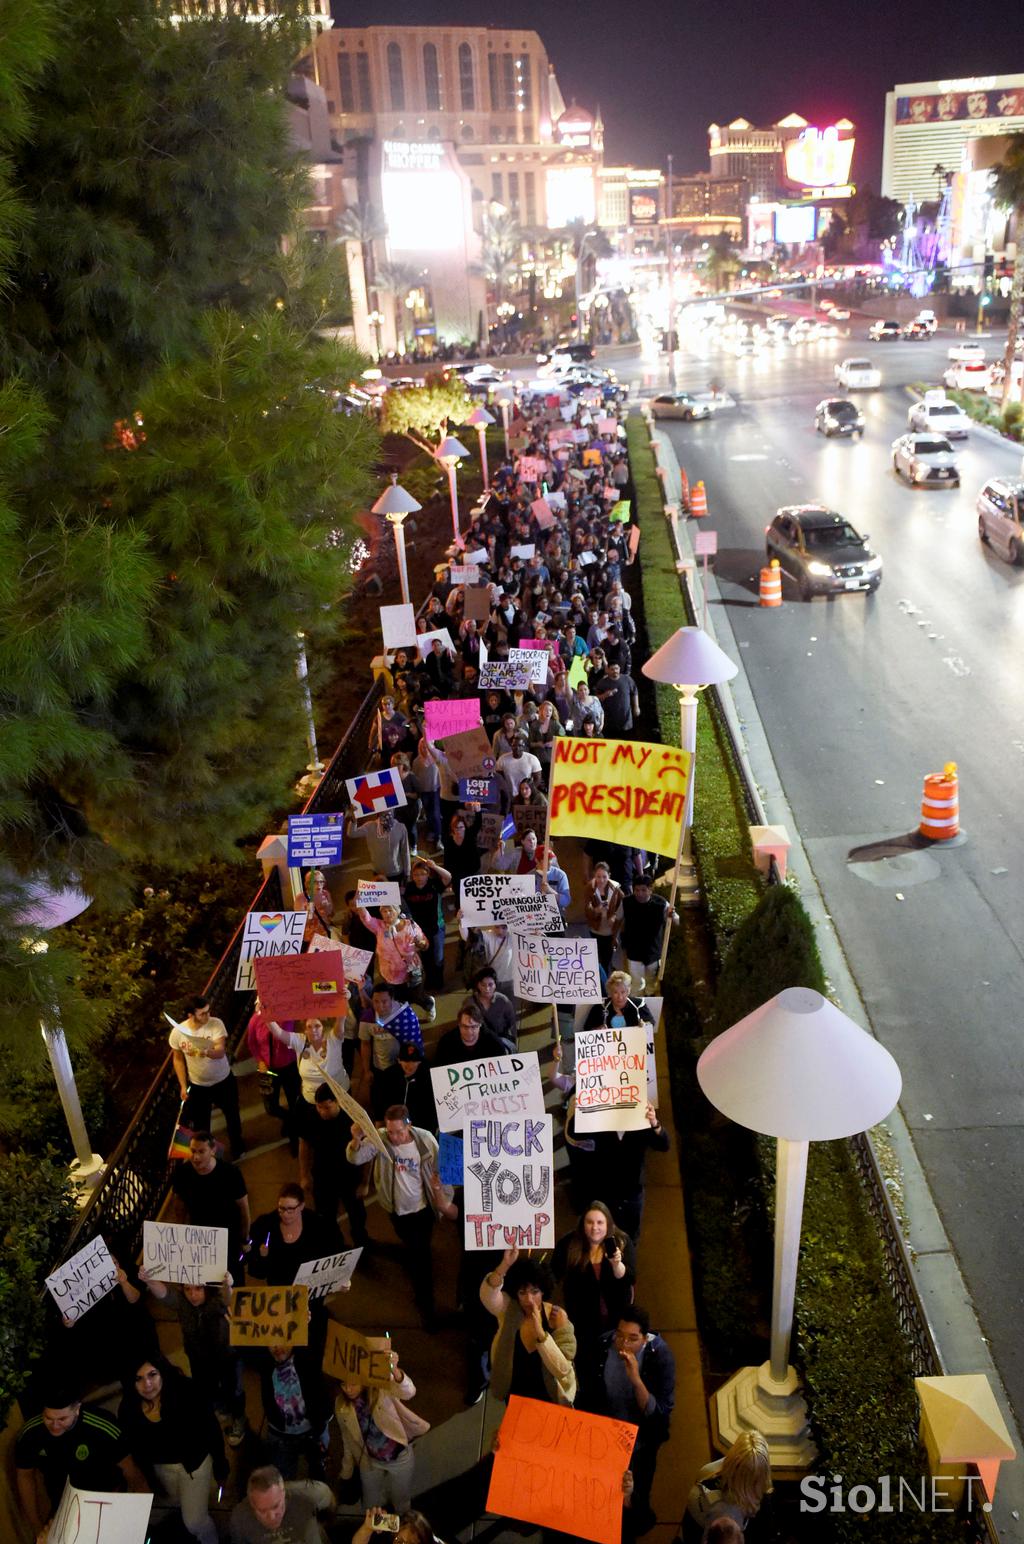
(626, 791)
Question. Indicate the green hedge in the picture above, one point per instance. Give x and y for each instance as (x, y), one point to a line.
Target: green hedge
(847, 1341)
(37, 1209)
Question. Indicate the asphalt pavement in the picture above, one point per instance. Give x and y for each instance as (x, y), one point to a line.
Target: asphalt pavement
(860, 698)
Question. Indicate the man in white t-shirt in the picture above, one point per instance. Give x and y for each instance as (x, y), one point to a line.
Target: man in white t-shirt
(409, 1189)
(517, 765)
(199, 1048)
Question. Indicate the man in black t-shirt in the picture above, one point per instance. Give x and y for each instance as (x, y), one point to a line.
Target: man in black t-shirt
(645, 917)
(334, 1181)
(70, 1441)
(211, 1193)
(617, 695)
(427, 883)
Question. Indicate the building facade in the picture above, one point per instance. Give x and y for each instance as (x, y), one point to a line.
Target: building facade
(929, 123)
(317, 11)
(709, 206)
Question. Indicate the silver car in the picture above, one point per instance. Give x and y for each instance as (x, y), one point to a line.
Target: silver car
(926, 458)
(1001, 517)
(679, 404)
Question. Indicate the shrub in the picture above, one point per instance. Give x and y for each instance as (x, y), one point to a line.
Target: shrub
(37, 1208)
(773, 949)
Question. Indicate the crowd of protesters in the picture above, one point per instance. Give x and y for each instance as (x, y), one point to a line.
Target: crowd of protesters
(569, 1328)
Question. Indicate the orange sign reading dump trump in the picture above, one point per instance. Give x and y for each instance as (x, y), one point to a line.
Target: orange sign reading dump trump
(562, 1469)
(624, 790)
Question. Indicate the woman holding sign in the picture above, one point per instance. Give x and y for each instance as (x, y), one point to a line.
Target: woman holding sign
(534, 1349)
(400, 942)
(377, 1431)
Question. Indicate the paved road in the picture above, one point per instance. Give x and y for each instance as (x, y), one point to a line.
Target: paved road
(861, 697)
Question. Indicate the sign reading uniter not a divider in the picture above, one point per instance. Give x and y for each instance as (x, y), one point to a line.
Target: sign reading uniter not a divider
(623, 791)
(557, 970)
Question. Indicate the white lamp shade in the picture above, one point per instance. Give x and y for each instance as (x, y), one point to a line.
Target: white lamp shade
(395, 501)
(479, 418)
(798, 1068)
(451, 450)
(690, 658)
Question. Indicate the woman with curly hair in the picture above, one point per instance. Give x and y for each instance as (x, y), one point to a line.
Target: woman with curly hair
(533, 1351)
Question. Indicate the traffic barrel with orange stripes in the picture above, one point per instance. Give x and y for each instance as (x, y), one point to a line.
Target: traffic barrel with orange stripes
(771, 584)
(684, 488)
(698, 500)
(940, 805)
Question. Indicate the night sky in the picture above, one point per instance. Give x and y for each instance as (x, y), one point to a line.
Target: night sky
(662, 70)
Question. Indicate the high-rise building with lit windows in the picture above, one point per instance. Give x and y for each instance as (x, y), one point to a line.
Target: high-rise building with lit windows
(317, 11)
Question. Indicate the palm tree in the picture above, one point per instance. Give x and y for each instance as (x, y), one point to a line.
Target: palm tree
(364, 223)
(500, 250)
(396, 280)
(1008, 192)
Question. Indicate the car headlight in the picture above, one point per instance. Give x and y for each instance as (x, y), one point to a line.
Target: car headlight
(872, 565)
(819, 568)
(916, 468)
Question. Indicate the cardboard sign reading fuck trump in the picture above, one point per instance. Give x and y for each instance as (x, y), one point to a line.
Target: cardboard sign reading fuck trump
(507, 1174)
(269, 1316)
(621, 791)
(491, 1087)
(611, 1079)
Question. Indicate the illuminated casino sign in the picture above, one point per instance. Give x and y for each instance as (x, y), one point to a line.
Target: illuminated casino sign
(963, 100)
(818, 158)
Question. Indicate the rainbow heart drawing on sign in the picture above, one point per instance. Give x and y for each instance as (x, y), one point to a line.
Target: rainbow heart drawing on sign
(269, 922)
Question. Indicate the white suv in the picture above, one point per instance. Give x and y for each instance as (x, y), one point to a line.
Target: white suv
(937, 413)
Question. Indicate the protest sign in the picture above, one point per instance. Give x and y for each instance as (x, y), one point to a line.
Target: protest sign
(450, 715)
(501, 675)
(265, 933)
(610, 493)
(355, 1112)
(449, 1158)
(534, 660)
(376, 793)
(489, 836)
(478, 557)
(182, 1252)
(78, 1284)
(478, 790)
(328, 1274)
(623, 791)
(355, 961)
(398, 625)
(586, 558)
(581, 437)
(355, 1358)
(476, 603)
(530, 913)
(524, 550)
(654, 1006)
(620, 512)
(591, 456)
(561, 1469)
(541, 511)
(269, 1316)
(577, 670)
(425, 641)
(479, 892)
(302, 986)
(315, 840)
(530, 468)
(540, 645)
(378, 892)
(468, 753)
(633, 542)
(100, 1517)
(488, 1089)
(464, 573)
(529, 817)
(608, 426)
(611, 1079)
(556, 499)
(508, 1169)
(556, 970)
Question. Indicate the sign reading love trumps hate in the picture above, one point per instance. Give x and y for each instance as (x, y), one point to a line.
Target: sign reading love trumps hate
(611, 1079)
(264, 934)
(489, 1088)
(557, 970)
(181, 1252)
(78, 1284)
(507, 1175)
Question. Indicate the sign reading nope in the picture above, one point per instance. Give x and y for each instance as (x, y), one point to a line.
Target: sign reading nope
(349, 1356)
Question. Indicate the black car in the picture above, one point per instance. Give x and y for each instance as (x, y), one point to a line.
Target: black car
(838, 415)
(821, 551)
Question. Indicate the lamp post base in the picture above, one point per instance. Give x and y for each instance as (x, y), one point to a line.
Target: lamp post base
(752, 1400)
(86, 1176)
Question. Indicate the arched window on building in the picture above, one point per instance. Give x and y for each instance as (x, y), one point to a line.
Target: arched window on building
(467, 83)
(431, 78)
(396, 78)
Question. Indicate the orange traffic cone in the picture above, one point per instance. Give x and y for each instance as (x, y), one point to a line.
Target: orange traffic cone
(684, 488)
(698, 501)
(940, 805)
(771, 584)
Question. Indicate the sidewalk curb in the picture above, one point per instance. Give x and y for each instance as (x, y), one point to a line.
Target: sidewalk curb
(951, 1314)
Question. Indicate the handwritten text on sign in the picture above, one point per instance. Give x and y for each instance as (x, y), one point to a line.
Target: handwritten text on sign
(99, 1517)
(503, 675)
(266, 933)
(328, 1274)
(562, 1469)
(611, 1079)
(302, 986)
(349, 1356)
(507, 1175)
(480, 893)
(530, 913)
(269, 1316)
(80, 1282)
(624, 791)
(445, 716)
(181, 1252)
(492, 1087)
(557, 970)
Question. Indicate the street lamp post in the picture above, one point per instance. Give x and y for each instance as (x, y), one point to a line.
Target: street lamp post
(316, 766)
(480, 420)
(376, 321)
(796, 1069)
(450, 452)
(394, 504)
(588, 236)
(504, 397)
(689, 661)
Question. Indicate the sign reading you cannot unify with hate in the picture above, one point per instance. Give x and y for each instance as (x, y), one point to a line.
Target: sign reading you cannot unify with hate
(489, 1088)
(557, 970)
(181, 1252)
(508, 1168)
(611, 1079)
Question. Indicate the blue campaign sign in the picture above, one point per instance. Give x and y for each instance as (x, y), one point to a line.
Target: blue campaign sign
(315, 839)
(449, 1158)
(479, 790)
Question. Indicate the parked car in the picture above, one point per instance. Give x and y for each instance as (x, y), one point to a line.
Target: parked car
(1001, 517)
(838, 415)
(967, 353)
(968, 375)
(935, 411)
(885, 331)
(857, 374)
(821, 551)
(679, 404)
(925, 458)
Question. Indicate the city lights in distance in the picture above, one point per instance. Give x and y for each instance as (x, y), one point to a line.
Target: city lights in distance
(818, 158)
(571, 195)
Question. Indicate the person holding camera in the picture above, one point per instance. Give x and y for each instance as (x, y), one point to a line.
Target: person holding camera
(596, 1265)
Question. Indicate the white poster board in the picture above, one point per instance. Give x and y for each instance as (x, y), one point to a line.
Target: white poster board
(378, 892)
(524, 550)
(328, 1274)
(538, 913)
(556, 970)
(78, 1284)
(508, 1173)
(100, 1517)
(424, 641)
(398, 625)
(465, 573)
(611, 1079)
(536, 661)
(479, 894)
(265, 933)
(181, 1252)
(490, 1088)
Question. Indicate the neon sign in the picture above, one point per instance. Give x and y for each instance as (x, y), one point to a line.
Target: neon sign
(819, 158)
